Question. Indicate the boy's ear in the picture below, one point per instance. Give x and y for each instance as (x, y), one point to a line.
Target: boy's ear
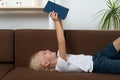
(46, 63)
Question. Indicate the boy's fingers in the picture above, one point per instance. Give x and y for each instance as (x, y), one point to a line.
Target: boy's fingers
(53, 15)
(56, 14)
(50, 13)
(53, 12)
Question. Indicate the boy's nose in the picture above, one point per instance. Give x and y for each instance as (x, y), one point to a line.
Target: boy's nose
(48, 51)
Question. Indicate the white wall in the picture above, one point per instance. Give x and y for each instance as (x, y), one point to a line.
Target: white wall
(23, 19)
(80, 15)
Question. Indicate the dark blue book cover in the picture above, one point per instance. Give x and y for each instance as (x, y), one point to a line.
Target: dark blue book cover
(51, 6)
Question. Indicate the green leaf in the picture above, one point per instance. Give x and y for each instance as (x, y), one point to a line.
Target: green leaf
(110, 17)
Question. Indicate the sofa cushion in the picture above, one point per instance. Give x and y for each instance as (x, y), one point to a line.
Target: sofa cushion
(24, 73)
(28, 42)
(5, 68)
(6, 45)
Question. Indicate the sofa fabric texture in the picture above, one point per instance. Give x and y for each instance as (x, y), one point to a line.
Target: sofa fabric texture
(16, 47)
(6, 45)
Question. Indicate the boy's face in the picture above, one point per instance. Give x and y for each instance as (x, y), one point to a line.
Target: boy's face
(47, 55)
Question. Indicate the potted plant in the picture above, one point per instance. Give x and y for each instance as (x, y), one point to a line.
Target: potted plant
(111, 16)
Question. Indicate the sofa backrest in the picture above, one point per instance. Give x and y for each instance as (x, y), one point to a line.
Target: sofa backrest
(6, 46)
(28, 42)
(88, 41)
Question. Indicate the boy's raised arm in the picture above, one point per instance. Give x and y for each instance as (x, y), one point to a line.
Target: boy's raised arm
(60, 35)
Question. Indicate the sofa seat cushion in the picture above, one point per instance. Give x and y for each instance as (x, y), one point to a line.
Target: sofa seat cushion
(5, 68)
(25, 73)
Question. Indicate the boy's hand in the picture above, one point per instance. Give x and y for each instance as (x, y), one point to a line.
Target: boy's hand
(54, 16)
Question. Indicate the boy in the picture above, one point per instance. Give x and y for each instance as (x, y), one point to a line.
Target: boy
(104, 61)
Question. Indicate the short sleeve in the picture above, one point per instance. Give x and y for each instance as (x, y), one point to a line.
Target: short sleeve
(61, 65)
(68, 65)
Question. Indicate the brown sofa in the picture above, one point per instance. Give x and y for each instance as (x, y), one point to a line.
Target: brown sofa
(16, 46)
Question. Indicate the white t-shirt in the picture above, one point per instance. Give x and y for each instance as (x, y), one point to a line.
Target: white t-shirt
(75, 63)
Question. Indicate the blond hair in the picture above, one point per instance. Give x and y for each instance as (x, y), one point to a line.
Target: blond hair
(36, 63)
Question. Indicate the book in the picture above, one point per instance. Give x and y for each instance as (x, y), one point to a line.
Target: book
(61, 10)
